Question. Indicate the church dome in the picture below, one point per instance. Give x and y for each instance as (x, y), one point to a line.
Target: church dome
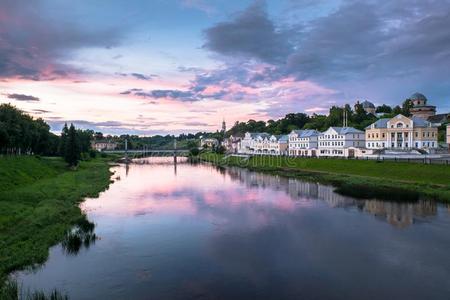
(418, 96)
(367, 104)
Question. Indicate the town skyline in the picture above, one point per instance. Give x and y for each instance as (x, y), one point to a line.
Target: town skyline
(171, 67)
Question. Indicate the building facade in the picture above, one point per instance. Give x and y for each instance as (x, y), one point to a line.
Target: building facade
(401, 132)
(263, 143)
(231, 144)
(340, 141)
(209, 143)
(101, 145)
(303, 142)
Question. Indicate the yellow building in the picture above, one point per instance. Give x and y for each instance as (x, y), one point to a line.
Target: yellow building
(401, 132)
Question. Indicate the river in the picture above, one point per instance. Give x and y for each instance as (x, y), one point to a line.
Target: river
(202, 232)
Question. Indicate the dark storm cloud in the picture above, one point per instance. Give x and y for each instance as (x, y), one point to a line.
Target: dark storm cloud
(249, 34)
(33, 42)
(22, 97)
(360, 38)
(374, 39)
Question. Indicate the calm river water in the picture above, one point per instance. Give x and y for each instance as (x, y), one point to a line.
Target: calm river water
(199, 232)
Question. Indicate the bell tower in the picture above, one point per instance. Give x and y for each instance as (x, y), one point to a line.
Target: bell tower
(224, 126)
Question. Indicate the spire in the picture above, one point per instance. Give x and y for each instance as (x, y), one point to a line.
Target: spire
(224, 126)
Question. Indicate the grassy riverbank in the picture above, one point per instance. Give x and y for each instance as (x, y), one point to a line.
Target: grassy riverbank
(39, 200)
(360, 178)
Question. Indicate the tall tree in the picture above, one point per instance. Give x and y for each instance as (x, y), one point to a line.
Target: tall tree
(63, 141)
(72, 153)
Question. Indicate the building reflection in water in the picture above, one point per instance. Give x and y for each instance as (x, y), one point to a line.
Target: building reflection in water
(398, 214)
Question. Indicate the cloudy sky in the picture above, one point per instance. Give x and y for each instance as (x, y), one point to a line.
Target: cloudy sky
(159, 66)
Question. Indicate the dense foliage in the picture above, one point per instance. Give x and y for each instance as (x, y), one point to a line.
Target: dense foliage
(21, 134)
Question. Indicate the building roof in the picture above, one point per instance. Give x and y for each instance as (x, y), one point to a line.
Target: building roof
(103, 141)
(439, 118)
(263, 135)
(419, 122)
(283, 138)
(306, 133)
(367, 104)
(418, 96)
(346, 130)
(381, 123)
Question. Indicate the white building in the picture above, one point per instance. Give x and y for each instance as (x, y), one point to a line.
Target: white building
(340, 141)
(263, 143)
(232, 144)
(209, 143)
(101, 145)
(303, 142)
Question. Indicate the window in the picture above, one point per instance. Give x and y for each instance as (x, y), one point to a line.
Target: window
(399, 125)
(383, 135)
(417, 145)
(416, 134)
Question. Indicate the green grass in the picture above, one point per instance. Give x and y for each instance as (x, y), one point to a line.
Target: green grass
(11, 290)
(355, 177)
(39, 200)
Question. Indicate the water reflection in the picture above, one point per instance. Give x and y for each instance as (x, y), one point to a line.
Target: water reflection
(215, 233)
(398, 214)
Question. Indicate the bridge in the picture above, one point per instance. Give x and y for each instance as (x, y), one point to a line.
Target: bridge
(178, 152)
(146, 152)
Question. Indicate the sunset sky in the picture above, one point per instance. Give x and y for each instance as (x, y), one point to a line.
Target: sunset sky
(170, 66)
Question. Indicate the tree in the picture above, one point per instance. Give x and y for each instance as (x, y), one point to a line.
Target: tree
(85, 137)
(397, 110)
(384, 109)
(194, 152)
(406, 106)
(63, 141)
(72, 153)
(21, 134)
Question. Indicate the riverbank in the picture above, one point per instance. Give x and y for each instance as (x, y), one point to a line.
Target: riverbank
(39, 203)
(357, 178)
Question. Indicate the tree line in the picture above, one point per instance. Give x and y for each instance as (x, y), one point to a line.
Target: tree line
(21, 134)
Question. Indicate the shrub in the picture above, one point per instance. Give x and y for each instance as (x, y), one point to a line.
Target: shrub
(93, 153)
